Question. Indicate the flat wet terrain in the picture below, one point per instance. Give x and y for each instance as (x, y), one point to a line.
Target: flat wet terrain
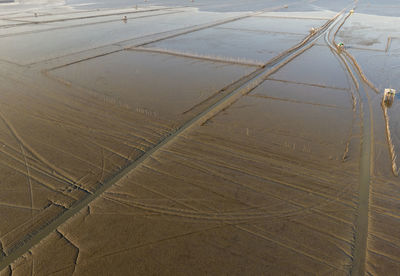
(194, 137)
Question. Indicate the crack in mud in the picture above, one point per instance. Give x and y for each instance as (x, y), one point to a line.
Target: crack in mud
(236, 93)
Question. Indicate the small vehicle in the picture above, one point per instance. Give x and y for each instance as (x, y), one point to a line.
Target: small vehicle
(340, 46)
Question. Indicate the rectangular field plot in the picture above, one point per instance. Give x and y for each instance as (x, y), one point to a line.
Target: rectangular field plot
(369, 31)
(45, 17)
(382, 69)
(317, 66)
(313, 15)
(27, 28)
(251, 47)
(34, 47)
(164, 85)
(276, 24)
(303, 93)
(296, 129)
(218, 173)
(61, 144)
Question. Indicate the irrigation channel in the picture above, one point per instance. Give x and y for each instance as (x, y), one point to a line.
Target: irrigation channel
(359, 85)
(232, 93)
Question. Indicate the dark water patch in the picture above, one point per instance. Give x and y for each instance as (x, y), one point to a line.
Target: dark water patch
(317, 66)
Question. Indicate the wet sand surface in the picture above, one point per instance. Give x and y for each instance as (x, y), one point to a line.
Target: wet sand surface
(199, 138)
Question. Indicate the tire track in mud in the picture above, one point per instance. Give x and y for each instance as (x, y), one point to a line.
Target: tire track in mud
(366, 163)
(277, 215)
(60, 173)
(232, 93)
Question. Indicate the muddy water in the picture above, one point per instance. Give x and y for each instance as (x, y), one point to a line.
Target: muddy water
(268, 185)
(44, 17)
(277, 24)
(62, 143)
(230, 44)
(15, 48)
(49, 22)
(379, 67)
(369, 32)
(370, 42)
(246, 181)
(306, 93)
(317, 66)
(208, 5)
(128, 78)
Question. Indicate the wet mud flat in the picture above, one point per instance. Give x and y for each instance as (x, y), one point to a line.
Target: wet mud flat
(68, 145)
(243, 181)
(202, 145)
(64, 136)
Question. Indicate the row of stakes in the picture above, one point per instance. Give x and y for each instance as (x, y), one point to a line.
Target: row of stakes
(339, 46)
(389, 93)
(125, 19)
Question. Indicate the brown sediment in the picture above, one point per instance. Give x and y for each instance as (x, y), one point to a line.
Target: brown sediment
(2, 253)
(17, 237)
(205, 166)
(61, 173)
(359, 251)
(253, 183)
(211, 111)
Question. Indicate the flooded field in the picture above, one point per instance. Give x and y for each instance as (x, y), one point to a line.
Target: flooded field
(199, 137)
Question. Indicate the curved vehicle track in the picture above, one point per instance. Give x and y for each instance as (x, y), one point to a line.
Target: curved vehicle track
(367, 144)
(232, 93)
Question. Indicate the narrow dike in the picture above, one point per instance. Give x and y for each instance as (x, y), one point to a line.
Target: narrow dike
(359, 250)
(236, 90)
